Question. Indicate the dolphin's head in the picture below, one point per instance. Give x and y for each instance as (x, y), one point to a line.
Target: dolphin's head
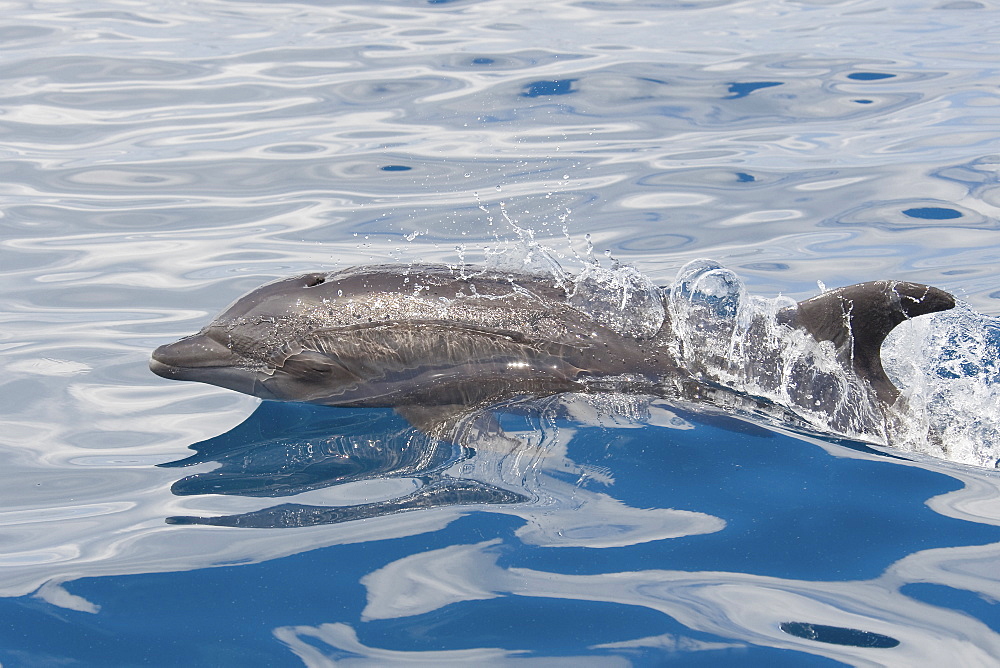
(377, 336)
(236, 350)
(304, 338)
(201, 357)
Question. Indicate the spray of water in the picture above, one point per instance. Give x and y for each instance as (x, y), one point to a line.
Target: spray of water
(947, 365)
(726, 336)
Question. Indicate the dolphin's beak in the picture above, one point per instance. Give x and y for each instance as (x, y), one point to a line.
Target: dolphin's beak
(202, 358)
(190, 353)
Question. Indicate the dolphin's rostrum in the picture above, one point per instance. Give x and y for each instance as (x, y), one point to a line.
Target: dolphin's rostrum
(433, 341)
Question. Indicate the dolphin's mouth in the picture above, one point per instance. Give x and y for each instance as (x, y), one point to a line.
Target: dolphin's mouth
(198, 351)
(203, 359)
(165, 370)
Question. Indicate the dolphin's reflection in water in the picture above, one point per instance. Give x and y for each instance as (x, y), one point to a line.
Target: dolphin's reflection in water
(287, 449)
(283, 450)
(517, 461)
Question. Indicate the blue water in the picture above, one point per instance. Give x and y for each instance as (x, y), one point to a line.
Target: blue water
(157, 160)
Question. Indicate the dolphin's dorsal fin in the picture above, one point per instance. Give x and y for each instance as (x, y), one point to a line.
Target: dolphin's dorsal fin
(857, 318)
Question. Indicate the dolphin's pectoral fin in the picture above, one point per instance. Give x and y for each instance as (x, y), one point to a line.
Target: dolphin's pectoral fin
(857, 318)
(456, 423)
(316, 366)
(436, 421)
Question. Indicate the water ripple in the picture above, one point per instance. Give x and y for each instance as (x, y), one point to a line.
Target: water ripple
(159, 161)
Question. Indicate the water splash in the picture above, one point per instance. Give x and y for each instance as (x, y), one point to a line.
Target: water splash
(620, 298)
(726, 336)
(948, 366)
(708, 307)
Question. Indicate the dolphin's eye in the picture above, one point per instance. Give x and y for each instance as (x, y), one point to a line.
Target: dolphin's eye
(314, 280)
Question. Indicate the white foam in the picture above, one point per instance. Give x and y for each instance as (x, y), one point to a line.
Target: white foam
(948, 367)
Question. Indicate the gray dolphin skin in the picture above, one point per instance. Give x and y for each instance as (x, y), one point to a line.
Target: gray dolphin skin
(425, 338)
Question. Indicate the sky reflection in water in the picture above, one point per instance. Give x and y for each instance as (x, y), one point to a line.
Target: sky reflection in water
(159, 161)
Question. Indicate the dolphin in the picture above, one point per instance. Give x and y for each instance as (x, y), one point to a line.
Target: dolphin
(436, 342)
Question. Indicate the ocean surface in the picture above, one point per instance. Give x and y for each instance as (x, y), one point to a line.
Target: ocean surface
(160, 159)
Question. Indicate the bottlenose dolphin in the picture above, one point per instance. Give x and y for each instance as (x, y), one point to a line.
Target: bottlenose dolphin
(435, 341)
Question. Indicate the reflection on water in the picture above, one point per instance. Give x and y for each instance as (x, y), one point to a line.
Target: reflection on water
(837, 635)
(858, 615)
(285, 450)
(740, 537)
(157, 161)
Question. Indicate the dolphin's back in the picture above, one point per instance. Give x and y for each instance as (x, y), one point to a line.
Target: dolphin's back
(394, 335)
